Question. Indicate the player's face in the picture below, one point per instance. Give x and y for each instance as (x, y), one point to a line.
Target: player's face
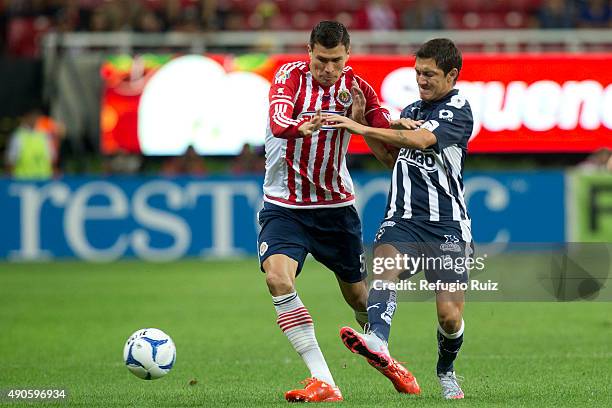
(432, 82)
(326, 64)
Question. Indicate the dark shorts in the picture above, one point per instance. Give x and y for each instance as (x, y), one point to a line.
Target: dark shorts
(331, 235)
(442, 249)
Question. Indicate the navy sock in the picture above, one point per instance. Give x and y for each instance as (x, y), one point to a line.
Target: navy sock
(381, 307)
(448, 348)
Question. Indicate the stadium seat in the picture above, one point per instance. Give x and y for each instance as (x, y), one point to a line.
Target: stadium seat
(24, 33)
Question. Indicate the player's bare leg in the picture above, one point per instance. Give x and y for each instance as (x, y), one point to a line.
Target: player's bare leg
(356, 295)
(373, 344)
(450, 337)
(280, 274)
(295, 321)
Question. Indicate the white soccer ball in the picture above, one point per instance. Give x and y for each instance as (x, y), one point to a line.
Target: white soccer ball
(149, 354)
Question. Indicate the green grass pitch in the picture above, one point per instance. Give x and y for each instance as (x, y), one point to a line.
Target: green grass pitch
(64, 324)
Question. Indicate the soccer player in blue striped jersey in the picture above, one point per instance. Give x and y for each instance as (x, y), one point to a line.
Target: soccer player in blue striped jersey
(426, 215)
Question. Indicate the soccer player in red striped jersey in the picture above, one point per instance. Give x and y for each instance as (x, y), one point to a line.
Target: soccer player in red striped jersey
(309, 195)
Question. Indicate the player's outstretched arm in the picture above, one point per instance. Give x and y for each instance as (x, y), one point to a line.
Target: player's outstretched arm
(413, 139)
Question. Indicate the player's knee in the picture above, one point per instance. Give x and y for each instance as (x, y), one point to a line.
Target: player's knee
(450, 321)
(279, 282)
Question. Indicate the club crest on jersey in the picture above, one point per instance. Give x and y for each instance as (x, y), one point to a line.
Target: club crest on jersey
(263, 248)
(345, 98)
(451, 244)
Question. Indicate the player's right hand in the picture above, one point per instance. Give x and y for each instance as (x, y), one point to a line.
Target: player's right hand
(314, 124)
(405, 123)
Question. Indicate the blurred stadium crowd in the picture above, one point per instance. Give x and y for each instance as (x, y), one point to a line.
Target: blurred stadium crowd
(23, 22)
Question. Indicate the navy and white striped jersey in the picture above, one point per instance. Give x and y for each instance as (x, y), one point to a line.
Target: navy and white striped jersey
(428, 184)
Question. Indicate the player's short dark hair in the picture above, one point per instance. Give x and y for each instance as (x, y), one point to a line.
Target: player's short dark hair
(329, 34)
(444, 52)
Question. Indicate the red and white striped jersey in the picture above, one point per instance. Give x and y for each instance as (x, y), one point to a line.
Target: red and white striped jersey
(310, 172)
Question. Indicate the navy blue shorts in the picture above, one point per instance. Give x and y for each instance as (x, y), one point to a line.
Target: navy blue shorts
(442, 249)
(331, 235)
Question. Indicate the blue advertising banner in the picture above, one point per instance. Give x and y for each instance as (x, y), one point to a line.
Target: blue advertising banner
(103, 219)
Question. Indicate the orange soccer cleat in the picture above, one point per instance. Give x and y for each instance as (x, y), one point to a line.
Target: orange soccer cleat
(314, 391)
(376, 353)
(402, 379)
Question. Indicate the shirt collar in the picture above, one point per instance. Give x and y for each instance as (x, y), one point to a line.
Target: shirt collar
(445, 98)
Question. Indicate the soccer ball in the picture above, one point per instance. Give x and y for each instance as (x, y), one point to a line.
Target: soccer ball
(149, 354)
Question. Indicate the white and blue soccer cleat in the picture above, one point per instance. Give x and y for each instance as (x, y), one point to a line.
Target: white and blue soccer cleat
(450, 386)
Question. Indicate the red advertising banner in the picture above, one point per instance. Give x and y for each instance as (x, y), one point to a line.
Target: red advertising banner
(160, 104)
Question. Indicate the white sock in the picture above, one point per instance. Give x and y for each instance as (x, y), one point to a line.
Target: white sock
(452, 335)
(295, 321)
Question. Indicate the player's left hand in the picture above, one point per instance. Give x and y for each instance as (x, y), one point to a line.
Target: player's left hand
(405, 123)
(359, 103)
(342, 122)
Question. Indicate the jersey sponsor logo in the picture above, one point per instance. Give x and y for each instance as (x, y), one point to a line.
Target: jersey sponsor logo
(310, 114)
(345, 98)
(424, 159)
(451, 244)
(446, 114)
